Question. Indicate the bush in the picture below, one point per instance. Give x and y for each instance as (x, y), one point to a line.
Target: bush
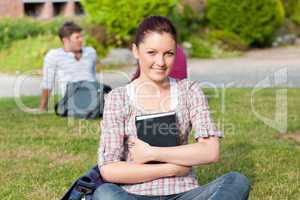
(11, 30)
(121, 18)
(100, 48)
(96, 37)
(254, 21)
(186, 21)
(292, 8)
(228, 40)
(200, 47)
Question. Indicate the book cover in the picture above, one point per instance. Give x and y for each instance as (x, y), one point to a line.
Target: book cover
(158, 129)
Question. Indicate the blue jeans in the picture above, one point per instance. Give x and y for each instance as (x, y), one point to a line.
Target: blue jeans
(230, 186)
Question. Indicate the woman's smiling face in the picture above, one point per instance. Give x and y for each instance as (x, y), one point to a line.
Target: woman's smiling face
(156, 55)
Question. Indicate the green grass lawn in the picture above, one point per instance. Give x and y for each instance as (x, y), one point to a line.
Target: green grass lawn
(27, 55)
(41, 155)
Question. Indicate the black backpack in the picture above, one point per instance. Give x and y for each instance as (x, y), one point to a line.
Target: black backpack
(84, 186)
(83, 99)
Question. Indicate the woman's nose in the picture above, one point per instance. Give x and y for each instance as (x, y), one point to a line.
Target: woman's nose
(160, 60)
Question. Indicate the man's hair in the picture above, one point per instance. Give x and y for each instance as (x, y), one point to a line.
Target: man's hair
(67, 29)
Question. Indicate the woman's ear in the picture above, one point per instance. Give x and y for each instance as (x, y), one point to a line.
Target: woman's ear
(135, 51)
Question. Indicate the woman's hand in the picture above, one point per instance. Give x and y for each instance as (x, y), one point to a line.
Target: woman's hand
(178, 170)
(140, 151)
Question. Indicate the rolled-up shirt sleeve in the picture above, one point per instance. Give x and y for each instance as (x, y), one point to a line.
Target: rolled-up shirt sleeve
(93, 56)
(94, 62)
(200, 116)
(111, 146)
(49, 70)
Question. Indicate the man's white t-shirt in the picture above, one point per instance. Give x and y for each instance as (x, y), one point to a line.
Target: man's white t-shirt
(62, 67)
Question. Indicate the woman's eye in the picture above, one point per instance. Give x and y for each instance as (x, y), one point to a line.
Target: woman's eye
(170, 53)
(151, 52)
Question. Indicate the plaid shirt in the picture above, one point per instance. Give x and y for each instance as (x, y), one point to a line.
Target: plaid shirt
(119, 122)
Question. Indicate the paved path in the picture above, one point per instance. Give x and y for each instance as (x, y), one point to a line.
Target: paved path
(258, 68)
(25, 85)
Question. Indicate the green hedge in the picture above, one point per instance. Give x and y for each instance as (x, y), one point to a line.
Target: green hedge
(254, 21)
(121, 18)
(187, 22)
(228, 40)
(11, 29)
(292, 8)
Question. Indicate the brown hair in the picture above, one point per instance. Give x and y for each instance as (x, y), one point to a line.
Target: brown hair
(156, 24)
(67, 29)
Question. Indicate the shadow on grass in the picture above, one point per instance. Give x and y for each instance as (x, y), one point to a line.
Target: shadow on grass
(236, 157)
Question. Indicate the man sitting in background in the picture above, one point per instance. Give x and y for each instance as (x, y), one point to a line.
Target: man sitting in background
(70, 63)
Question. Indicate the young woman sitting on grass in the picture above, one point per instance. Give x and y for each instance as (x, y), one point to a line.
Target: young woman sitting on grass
(124, 159)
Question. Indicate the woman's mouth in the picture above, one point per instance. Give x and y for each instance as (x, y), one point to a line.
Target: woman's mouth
(160, 70)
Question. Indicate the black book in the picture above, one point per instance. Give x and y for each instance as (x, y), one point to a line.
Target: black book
(158, 129)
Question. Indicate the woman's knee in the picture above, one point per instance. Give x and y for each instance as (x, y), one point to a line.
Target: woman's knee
(106, 191)
(238, 180)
